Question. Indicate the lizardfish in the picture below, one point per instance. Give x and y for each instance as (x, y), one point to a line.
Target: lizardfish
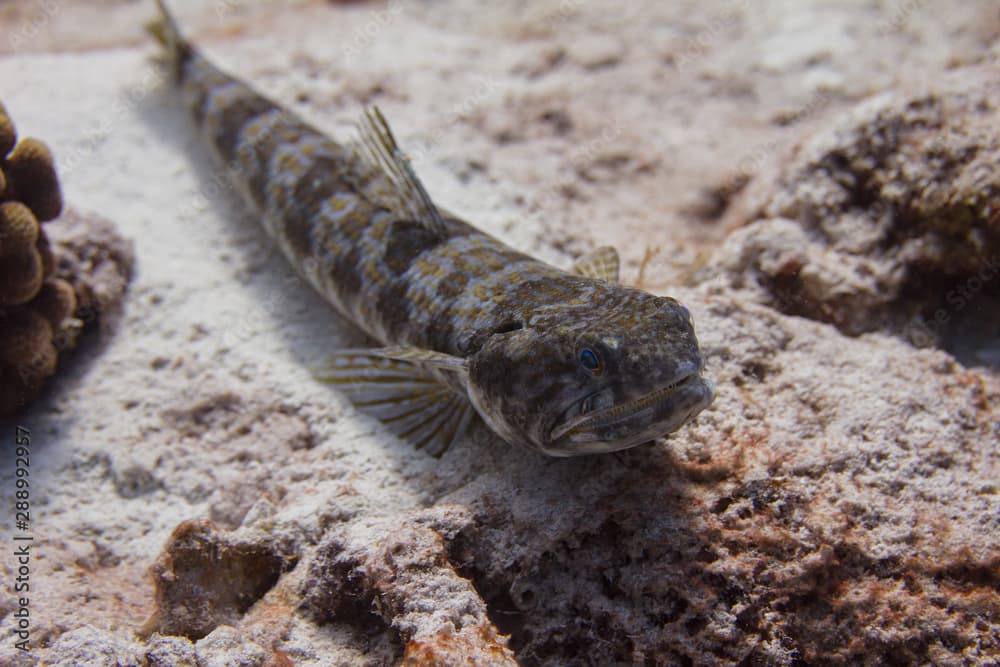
(565, 362)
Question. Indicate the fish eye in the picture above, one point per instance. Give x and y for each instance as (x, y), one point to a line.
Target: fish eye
(590, 360)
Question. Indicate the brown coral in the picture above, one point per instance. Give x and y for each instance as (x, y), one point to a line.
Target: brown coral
(29, 193)
(31, 178)
(8, 136)
(40, 307)
(27, 355)
(20, 257)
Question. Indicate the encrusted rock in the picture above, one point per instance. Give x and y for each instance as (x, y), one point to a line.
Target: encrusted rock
(90, 646)
(168, 651)
(890, 221)
(94, 259)
(406, 580)
(206, 578)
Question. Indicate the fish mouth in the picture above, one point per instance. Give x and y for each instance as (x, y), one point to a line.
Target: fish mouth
(632, 423)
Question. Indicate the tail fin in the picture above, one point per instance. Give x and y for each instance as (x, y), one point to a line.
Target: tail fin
(166, 32)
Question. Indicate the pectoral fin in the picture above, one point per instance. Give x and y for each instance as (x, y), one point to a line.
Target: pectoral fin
(398, 387)
(601, 263)
(440, 360)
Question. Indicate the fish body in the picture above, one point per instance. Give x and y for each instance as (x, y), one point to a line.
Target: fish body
(565, 362)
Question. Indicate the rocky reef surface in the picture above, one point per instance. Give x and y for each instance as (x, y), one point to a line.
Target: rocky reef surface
(817, 183)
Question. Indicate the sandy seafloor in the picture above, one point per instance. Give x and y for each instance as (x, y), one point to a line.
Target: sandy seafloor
(558, 126)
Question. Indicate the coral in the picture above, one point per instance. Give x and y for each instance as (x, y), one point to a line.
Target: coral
(29, 193)
(27, 355)
(56, 301)
(21, 273)
(43, 307)
(31, 178)
(8, 137)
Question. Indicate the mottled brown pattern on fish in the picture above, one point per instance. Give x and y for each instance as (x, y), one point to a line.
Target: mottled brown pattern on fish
(302, 182)
(510, 331)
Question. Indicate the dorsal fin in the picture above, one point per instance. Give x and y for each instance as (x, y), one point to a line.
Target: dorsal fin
(601, 263)
(409, 196)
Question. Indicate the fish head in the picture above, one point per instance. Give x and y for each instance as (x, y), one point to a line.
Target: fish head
(593, 379)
